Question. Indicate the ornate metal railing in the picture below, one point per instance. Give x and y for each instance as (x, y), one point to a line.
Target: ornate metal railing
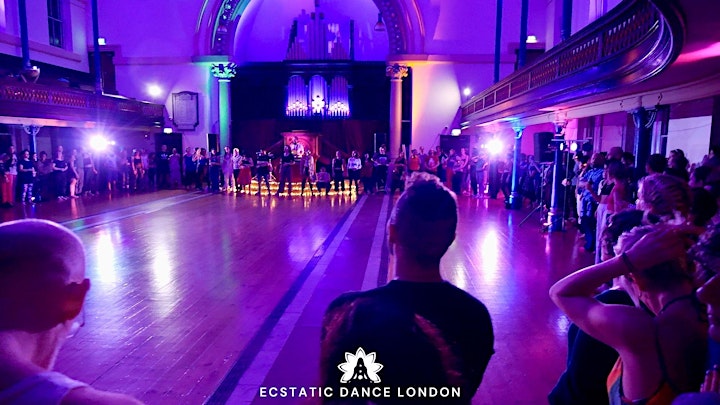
(632, 43)
(27, 100)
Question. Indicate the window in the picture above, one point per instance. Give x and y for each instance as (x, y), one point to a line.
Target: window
(55, 23)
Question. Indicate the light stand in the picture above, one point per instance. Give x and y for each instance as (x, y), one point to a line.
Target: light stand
(555, 217)
(541, 203)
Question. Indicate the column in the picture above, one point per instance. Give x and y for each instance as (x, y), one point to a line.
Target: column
(224, 72)
(498, 38)
(566, 30)
(24, 39)
(524, 11)
(396, 73)
(32, 131)
(96, 49)
(515, 201)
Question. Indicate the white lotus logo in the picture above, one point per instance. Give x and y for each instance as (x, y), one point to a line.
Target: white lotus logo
(360, 366)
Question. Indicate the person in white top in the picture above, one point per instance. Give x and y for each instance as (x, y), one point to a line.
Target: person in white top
(354, 165)
(42, 289)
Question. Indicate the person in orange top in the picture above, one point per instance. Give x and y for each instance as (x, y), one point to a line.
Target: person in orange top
(414, 162)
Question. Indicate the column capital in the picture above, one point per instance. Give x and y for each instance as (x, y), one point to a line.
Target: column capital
(396, 71)
(223, 71)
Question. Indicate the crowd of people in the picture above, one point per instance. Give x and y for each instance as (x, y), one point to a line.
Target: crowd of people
(645, 325)
(27, 177)
(643, 313)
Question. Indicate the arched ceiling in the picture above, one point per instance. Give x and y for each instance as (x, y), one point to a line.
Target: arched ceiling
(219, 19)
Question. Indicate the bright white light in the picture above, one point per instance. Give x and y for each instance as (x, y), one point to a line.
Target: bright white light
(573, 146)
(154, 90)
(99, 143)
(167, 130)
(456, 132)
(101, 41)
(531, 39)
(466, 91)
(495, 147)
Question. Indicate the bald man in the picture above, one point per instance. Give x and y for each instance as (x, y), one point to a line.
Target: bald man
(42, 289)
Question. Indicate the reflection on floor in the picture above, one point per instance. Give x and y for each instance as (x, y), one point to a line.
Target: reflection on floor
(199, 297)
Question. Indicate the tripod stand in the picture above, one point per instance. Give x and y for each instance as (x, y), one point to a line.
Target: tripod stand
(541, 205)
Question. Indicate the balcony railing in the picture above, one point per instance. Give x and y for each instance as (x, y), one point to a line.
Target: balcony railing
(26, 100)
(632, 43)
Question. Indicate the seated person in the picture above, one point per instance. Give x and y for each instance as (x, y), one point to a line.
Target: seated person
(422, 329)
(42, 289)
(662, 352)
(323, 180)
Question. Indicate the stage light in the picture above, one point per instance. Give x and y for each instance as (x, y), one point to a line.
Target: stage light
(99, 143)
(531, 39)
(102, 41)
(495, 147)
(466, 91)
(456, 132)
(167, 130)
(573, 146)
(154, 90)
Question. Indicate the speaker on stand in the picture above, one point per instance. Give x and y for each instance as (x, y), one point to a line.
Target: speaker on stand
(543, 146)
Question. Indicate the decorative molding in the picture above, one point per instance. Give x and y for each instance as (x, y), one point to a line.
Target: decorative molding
(396, 71)
(228, 14)
(455, 59)
(223, 71)
(149, 61)
(45, 49)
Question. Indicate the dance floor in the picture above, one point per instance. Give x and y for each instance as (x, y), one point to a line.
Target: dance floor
(200, 298)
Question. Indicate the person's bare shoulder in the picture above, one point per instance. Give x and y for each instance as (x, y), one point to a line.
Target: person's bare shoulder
(89, 395)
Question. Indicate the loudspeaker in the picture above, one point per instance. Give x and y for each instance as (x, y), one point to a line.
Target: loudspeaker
(543, 143)
(213, 141)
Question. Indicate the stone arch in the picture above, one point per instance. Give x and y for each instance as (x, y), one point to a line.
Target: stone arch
(218, 22)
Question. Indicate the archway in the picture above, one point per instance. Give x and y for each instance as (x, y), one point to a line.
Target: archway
(218, 23)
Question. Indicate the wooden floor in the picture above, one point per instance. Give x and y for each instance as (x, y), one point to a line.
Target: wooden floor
(201, 298)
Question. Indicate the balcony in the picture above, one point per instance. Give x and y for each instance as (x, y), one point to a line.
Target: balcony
(22, 103)
(633, 43)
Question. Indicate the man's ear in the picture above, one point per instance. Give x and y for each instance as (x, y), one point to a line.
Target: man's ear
(74, 298)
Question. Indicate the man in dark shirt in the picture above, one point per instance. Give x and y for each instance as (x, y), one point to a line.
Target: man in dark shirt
(263, 170)
(423, 330)
(163, 167)
(381, 161)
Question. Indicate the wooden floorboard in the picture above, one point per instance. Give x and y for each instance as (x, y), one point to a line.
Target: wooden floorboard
(183, 282)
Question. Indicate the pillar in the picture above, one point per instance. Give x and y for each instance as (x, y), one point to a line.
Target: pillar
(224, 72)
(524, 12)
(24, 39)
(566, 30)
(396, 73)
(96, 48)
(32, 131)
(498, 38)
(515, 201)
